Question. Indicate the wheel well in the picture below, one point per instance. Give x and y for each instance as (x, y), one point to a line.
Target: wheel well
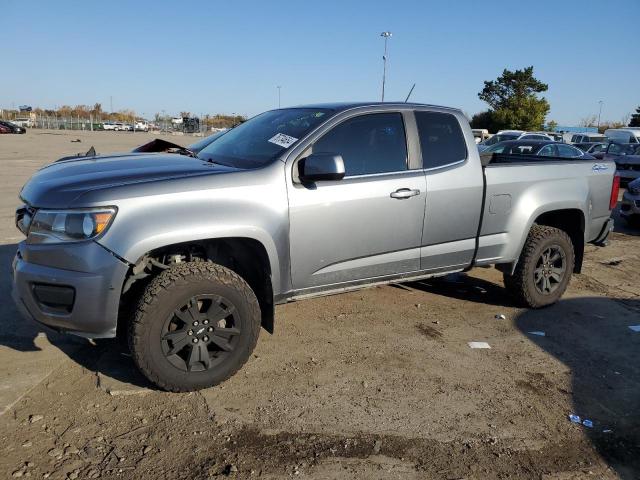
(572, 222)
(245, 256)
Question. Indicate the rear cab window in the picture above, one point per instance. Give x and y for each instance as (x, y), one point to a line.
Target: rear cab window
(441, 139)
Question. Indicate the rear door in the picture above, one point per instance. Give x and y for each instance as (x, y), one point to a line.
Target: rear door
(367, 225)
(454, 191)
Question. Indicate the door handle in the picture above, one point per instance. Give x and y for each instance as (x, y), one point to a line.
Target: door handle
(403, 193)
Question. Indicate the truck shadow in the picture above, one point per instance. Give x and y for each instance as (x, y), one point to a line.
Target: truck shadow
(464, 287)
(591, 336)
(15, 332)
(107, 357)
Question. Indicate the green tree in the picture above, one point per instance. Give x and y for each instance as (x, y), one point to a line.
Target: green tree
(635, 118)
(513, 100)
(552, 125)
(484, 120)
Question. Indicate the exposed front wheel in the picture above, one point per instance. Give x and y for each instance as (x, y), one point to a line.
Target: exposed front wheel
(196, 324)
(544, 267)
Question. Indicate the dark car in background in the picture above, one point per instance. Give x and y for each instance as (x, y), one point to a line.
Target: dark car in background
(10, 127)
(627, 158)
(541, 148)
(596, 149)
(630, 206)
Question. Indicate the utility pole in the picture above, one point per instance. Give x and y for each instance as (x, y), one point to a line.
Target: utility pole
(599, 113)
(386, 36)
(279, 88)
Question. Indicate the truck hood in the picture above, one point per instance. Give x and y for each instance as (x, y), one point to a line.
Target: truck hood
(58, 184)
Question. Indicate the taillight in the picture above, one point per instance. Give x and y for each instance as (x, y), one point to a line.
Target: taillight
(615, 189)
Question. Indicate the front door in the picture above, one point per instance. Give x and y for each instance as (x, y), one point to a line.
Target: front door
(367, 225)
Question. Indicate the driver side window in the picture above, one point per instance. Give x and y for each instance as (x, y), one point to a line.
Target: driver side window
(547, 151)
(373, 143)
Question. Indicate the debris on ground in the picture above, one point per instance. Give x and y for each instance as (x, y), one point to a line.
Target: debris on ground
(479, 345)
(377, 446)
(501, 316)
(37, 418)
(537, 333)
(612, 261)
(576, 419)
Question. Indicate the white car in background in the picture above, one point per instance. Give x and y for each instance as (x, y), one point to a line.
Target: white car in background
(141, 126)
(108, 126)
(23, 122)
(504, 135)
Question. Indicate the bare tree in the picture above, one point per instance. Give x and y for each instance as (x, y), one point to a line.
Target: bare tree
(589, 121)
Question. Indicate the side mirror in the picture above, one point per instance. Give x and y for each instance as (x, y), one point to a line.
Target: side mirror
(319, 167)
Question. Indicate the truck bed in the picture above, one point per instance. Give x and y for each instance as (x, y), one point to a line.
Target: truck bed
(520, 188)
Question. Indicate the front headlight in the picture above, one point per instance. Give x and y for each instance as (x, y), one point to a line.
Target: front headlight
(55, 226)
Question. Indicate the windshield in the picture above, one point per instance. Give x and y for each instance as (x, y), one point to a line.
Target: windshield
(260, 140)
(199, 145)
(500, 138)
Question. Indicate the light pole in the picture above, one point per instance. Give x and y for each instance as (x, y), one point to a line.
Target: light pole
(279, 88)
(386, 36)
(599, 113)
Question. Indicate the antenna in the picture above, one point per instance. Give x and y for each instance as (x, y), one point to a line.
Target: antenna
(410, 91)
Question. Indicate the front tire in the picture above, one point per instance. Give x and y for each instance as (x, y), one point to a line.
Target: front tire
(196, 324)
(544, 268)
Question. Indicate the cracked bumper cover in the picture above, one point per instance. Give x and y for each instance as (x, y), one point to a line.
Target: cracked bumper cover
(74, 288)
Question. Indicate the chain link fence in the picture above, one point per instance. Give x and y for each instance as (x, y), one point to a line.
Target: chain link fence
(57, 122)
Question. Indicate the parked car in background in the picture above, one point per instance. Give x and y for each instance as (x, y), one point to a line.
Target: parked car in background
(541, 148)
(24, 122)
(480, 134)
(142, 126)
(10, 127)
(623, 135)
(108, 126)
(596, 149)
(588, 138)
(505, 135)
(552, 135)
(630, 206)
(627, 158)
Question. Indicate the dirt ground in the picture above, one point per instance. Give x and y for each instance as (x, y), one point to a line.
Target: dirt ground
(375, 384)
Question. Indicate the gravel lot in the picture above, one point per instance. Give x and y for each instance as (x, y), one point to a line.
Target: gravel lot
(377, 384)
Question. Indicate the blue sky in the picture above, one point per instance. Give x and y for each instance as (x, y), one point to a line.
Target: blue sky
(210, 56)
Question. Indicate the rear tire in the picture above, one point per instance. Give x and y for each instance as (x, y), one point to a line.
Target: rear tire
(544, 268)
(196, 324)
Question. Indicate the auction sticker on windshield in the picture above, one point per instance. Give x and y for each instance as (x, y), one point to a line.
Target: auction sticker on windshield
(283, 140)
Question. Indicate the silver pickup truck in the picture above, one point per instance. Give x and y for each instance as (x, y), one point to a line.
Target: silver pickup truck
(186, 255)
